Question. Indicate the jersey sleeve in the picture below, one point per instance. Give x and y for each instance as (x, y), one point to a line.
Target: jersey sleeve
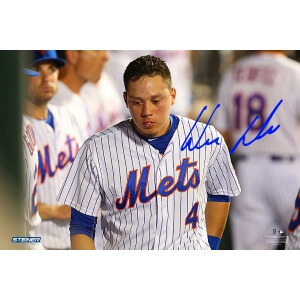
(221, 177)
(81, 189)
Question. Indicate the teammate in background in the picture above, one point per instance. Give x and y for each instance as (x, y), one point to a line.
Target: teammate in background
(293, 239)
(268, 169)
(153, 195)
(30, 169)
(82, 66)
(81, 89)
(103, 101)
(57, 144)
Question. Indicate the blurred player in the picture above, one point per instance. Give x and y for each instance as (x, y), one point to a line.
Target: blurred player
(104, 104)
(82, 66)
(268, 169)
(293, 239)
(57, 143)
(151, 189)
(30, 169)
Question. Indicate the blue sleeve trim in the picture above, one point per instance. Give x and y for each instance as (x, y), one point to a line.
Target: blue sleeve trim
(214, 242)
(219, 198)
(82, 224)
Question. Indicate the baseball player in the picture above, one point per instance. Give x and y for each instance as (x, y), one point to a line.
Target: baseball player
(81, 67)
(104, 104)
(30, 169)
(58, 142)
(179, 63)
(293, 239)
(151, 188)
(268, 169)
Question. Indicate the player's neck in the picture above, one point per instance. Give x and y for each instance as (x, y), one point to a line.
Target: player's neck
(71, 80)
(38, 112)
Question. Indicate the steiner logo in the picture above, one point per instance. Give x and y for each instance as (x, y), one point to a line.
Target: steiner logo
(22, 239)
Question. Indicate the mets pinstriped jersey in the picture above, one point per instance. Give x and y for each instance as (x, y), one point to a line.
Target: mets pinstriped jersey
(30, 176)
(149, 200)
(56, 151)
(293, 240)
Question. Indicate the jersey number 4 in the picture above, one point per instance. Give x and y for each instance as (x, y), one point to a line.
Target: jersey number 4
(247, 108)
(192, 217)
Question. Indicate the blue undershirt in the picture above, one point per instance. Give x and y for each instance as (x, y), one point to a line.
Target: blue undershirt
(161, 143)
(82, 224)
(218, 198)
(214, 242)
(50, 119)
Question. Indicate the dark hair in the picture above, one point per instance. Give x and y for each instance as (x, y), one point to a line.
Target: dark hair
(148, 65)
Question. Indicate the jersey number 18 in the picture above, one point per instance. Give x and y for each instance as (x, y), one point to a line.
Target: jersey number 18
(254, 106)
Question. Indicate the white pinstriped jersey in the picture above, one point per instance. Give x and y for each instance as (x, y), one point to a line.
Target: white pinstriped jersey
(56, 151)
(252, 88)
(75, 105)
(104, 103)
(293, 240)
(149, 200)
(30, 154)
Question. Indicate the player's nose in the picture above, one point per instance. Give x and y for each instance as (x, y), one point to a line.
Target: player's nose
(45, 75)
(146, 110)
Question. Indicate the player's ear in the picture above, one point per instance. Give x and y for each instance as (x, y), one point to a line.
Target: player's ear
(173, 96)
(72, 56)
(125, 98)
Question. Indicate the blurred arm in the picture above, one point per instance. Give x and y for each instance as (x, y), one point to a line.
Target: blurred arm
(59, 212)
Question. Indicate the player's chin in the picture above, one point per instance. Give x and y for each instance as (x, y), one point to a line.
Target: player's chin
(151, 133)
(96, 77)
(47, 96)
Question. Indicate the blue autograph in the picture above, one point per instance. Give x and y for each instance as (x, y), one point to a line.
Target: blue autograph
(189, 140)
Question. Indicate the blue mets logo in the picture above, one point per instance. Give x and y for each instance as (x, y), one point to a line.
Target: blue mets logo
(137, 191)
(63, 159)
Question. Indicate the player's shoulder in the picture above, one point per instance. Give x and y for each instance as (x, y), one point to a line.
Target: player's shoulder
(63, 95)
(105, 80)
(27, 128)
(25, 121)
(58, 111)
(117, 129)
(62, 116)
(291, 64)
(198, 127)
(276, 60)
